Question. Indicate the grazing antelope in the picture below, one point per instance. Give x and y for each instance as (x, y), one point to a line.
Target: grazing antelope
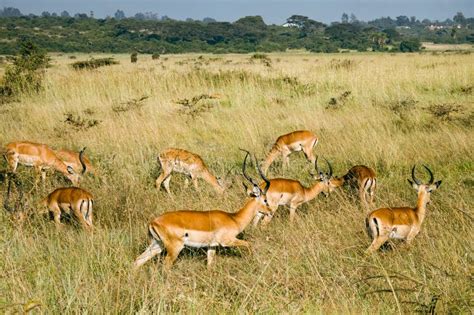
(202, 228)
(401, 222)
(302, 140)
(361, 177)
(41, 157)
(190, 164)
(72, 159)
(70, 199)
(292, 193)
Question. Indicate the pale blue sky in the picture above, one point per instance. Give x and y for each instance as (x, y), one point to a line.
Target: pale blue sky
(273, 11)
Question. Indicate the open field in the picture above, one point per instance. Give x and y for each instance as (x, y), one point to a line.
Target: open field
(402, 109)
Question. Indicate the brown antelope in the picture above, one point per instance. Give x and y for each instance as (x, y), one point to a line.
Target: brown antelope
(70, 199)
(292, 193)
(361, 177)
(72, 159)
(41, 157)
(401, 222)
(302, 140)
(202, 229)
(190, 164)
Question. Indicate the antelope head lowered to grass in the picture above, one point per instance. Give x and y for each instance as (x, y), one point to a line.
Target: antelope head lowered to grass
(401, 222)
(73, 159)
(185, 162)
(361, 177)
(41, 157)
(70, 199)
(292, 193)
(209, 229)
(301, 140)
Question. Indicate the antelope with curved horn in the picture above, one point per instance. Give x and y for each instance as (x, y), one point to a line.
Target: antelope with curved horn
(41, 157)
(401, 222)
(292, 193)
(70, 199)
(301, 140)
(73, 159)
(362, 178)
(209, 229)
(190, 164)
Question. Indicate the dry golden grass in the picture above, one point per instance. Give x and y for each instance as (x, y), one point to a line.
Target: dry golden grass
(316, 265)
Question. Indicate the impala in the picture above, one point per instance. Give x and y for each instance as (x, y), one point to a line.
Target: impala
(202, 229)
(292, 193)
(401, 222)
(361, 177)
(70, 199)
(302, 140)
(41, 157)
(185, 162)
(73, 159)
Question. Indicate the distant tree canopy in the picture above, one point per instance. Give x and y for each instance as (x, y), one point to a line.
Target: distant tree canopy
(149, 33)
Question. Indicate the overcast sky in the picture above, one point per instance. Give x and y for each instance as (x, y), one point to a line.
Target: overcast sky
(273, 11)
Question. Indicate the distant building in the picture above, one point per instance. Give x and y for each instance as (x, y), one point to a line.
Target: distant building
(290, 25)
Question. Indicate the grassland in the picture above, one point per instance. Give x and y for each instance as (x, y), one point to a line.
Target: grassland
(401, 110)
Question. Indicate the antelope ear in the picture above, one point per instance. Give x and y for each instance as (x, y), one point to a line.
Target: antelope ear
(437, 184)
(70, 170)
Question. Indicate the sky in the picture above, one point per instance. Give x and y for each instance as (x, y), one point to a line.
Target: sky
(272, 11)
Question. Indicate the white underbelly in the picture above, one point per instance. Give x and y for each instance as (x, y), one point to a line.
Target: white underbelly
(400, 232)
(28, 160)
(199, 239)
(295, 147)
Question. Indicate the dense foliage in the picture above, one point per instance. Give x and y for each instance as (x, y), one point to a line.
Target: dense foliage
(149, 34)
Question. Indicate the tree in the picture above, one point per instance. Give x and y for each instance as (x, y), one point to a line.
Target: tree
(208, 20)
(139, 16)
(353, 18)
(45, 14)
(65, 14)
(344, 18)
(10, 12)
(459, 18)
(119, 14)
(403, 20)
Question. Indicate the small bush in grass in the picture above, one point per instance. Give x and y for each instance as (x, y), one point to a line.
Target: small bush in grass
(134, 57)
(94, 63)
(411, 45)
(72, 57)
(155, 56)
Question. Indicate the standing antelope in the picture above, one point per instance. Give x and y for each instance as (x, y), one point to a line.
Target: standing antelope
(302, 140)
(70, 199)
(41, 157)
(292, 193)
(202, 228)
(361, 177)
(401, 222)
(182, 161)
(72, 159)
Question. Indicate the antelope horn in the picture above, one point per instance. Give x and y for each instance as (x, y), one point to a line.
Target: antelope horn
(84, 167)
(431, 175)
(243, 169)
(330, 167)
(265, 179)
(316, 165)
(416, 180)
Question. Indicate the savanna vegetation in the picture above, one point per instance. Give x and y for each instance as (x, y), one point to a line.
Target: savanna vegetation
(388, 111)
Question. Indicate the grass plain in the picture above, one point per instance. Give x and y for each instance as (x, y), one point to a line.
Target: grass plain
(388, 111)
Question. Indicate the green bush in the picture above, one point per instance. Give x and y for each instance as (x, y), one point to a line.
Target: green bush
(134, 57)
(94, 63)
(25, 74)
(411, 45)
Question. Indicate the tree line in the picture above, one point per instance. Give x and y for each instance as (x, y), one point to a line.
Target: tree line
(150, 33)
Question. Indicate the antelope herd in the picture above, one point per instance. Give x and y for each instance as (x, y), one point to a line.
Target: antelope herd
(174, 230)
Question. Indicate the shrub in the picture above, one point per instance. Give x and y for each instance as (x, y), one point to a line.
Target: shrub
(411, 45)
(94, 63)
(155, 56)
(25, 74)
(134, 57)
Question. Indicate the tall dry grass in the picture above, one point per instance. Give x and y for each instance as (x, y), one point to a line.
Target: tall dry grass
(316, 265)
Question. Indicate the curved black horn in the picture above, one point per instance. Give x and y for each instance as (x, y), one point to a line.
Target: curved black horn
(243, 169)
(431, 175)
(330, 167)
(265, 179)
(84, 167)
(416, 180)
(316, 165)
